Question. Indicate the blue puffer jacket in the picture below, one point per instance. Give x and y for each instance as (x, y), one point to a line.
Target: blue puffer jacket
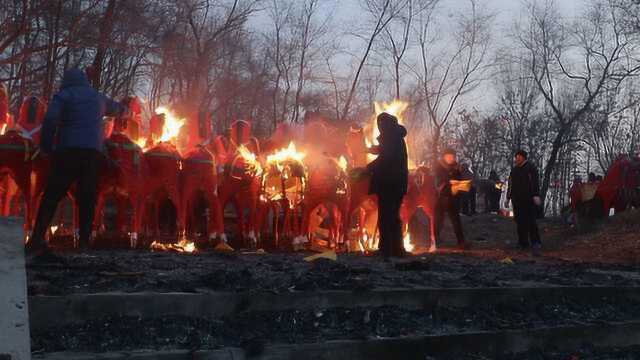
(74, 116)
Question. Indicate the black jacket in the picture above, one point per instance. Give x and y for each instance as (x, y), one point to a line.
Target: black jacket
(523, 183)
(390, 171)
(444, 173)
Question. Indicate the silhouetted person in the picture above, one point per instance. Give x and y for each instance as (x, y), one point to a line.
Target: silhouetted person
(72, 132)
(446, 170)
(524, 194)
(389, 179)
(468, 199)
(494, 193)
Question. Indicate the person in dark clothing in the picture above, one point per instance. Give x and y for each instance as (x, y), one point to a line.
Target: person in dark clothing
(447, 203)
(468, 199)
(524, 194)
(72, 132)
(389, 181)
(494, 193)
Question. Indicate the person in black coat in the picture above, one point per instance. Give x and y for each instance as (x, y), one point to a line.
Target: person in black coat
(446, 170)
(389, 179)
(524, 194)
(493, 202)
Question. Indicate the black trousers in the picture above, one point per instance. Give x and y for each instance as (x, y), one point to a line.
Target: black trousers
(494, 200)
(448, 205)
(390, 225)
(468, 202)
(79, 166)
(525, 213)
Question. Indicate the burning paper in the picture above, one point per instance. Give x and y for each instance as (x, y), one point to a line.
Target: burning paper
(460, 186)
(182, 246)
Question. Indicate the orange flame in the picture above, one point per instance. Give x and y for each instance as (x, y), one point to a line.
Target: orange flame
(182, 246)
(289, 153)
(172, 124)
(342, 163)
(251, 160)
(395, 108)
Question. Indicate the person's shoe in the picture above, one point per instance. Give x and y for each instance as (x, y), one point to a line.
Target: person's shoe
(536, 250)
(523, 247)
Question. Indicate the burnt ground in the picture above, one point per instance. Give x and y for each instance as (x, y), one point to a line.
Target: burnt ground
(608, 255)
(292, 327)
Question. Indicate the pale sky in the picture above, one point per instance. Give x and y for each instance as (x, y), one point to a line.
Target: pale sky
(348, 16)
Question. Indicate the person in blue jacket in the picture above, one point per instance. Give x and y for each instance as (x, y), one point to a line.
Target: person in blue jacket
(72, 132)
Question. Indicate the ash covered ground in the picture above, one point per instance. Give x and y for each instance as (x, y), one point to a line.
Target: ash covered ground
(293, 327)
(607, 255)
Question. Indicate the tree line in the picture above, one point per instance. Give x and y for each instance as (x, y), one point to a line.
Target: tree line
(562, 86)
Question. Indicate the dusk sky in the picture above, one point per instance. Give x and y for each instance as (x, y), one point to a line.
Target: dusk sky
(348, 17)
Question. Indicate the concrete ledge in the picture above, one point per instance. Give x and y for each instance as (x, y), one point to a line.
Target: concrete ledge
(61, 310)
(14, 324)
(491, 344)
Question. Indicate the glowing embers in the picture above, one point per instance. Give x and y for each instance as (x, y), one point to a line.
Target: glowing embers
(182, 246)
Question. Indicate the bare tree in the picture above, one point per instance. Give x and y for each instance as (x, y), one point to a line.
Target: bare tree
(383, 12)
(450, 66)
(573, 65)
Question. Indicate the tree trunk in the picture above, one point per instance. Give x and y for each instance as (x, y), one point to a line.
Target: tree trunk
(106, 27)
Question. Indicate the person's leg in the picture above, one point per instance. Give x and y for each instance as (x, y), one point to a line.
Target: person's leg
(86, 196)
(61, 177)
(521, 216)
(534, 234)
(454, 216)
(439, 218)
(396, 227)
(464, 203)
(472, 201)
(383, 225)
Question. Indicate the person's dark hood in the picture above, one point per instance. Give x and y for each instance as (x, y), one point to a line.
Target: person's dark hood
(388, 126)
(74, 77)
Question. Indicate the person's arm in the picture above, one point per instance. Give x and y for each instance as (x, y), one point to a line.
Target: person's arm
(535, 186)
(533, 181)
(51, 122)
(509, 189)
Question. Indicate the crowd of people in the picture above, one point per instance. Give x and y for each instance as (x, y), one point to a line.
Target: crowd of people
(72, 134)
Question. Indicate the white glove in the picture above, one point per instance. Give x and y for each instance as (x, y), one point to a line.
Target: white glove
(537, 200)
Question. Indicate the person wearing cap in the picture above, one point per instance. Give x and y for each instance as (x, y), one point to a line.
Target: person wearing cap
(447, 169)
(524, 194)
(72, 132)
(389, 180)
